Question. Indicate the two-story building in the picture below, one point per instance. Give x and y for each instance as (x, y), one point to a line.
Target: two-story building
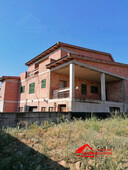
(67, 78)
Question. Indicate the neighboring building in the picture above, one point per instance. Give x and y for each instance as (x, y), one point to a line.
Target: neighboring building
(67, 78)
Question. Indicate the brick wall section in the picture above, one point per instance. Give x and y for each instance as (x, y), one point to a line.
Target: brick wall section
(39, 92)
(90, 54)
(116, 69)
(114, 91)
(55, 84)
(11, 95)
(10, 107)
(119, 70)
(31, 67)
(11, 90)
(89, 95)
(23, 76)
(42, 64)
(63, 53)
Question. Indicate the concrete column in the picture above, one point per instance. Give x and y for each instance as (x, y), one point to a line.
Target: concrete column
(103, 89)
(72, 81)
(124, 90)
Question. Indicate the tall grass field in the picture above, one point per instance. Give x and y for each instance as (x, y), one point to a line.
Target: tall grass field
(53, 145)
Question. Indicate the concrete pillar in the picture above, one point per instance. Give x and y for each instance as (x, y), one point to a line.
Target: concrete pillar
(72, 81)
(124, 90)
(103, 89)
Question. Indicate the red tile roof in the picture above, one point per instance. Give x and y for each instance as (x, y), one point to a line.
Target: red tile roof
(9, 77)
(61, 44)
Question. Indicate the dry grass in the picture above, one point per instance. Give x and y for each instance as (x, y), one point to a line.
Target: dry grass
(60, 141)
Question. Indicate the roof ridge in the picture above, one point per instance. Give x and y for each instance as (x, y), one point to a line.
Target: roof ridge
(60, 44)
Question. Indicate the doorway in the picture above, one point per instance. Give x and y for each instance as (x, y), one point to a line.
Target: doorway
(32, 108)
(62, 108)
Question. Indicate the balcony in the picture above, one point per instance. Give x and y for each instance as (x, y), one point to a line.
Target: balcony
(33, 72)
(61, 93)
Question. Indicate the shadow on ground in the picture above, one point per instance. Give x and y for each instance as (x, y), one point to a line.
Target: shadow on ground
(15, 155)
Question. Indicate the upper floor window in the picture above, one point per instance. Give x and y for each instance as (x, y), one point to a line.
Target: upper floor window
(43, 83)
(31, 88)
(94, 89)
(83, 89)
(22, 89)
(36, 65)
(63, 84)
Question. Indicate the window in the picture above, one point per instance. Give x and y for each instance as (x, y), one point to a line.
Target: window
(36, 65)
(63, 84)
(113, 109)
(20, 109)
(83, 89)
(94, 89)
(22, 89)
(51, 109)
(43, 109)
(43, 83)
(31, 88)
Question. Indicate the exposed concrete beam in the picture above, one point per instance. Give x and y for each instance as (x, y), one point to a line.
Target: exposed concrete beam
(89, 67)
(98, 70)
(61, 66)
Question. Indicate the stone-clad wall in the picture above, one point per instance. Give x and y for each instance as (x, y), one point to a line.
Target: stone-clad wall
(12, 119)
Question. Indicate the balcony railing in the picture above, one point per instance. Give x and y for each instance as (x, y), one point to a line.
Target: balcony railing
(61, 93)
(33, 72)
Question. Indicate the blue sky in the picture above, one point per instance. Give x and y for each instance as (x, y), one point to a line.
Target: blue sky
(29, 27)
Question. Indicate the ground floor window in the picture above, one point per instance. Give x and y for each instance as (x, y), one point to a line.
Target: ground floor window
(43, 109)
(20, 109)
(51, 109)
(113, 109)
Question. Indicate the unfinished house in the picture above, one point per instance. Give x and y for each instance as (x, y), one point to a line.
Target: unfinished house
(67, 78)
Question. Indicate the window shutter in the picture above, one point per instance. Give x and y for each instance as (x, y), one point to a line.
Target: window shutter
(43, 83)
(31, 88)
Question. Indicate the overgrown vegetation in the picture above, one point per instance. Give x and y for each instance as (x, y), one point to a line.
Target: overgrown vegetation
(58, 142)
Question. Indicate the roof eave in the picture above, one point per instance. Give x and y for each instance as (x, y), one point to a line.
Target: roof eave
(49, 50)
(59, 44)
(8, 77)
